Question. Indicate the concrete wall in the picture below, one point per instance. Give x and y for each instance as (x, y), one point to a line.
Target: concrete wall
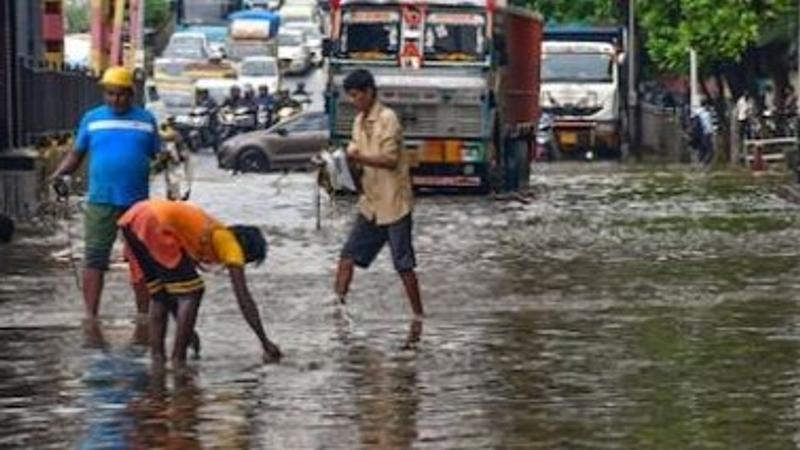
(662, 136)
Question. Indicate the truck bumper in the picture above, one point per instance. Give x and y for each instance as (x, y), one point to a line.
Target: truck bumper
(444, 176)
(575, 136)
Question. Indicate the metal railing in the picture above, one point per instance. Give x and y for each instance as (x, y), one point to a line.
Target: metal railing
(51, 99)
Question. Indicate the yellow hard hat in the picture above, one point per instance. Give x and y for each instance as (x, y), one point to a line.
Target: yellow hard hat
(118, 76)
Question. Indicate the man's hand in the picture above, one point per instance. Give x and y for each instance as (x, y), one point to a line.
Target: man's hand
(271, 352)
(354, 154)
(60, 184)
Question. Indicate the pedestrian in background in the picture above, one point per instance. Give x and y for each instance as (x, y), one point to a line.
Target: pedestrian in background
(386, 201)
(119, 139)
(702, 132)
(744, 112)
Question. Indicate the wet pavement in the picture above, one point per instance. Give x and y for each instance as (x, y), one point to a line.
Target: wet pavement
(623, 308)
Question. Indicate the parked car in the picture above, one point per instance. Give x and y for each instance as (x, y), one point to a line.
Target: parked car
(260, 71)
(313, 38)
(293, 52)
(285, 146)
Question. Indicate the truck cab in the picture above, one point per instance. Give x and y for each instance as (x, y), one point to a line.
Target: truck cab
(582, 87)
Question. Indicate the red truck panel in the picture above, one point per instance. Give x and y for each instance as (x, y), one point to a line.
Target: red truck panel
(523, 40)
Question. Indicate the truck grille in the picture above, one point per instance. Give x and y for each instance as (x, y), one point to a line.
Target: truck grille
(422, 120)
(571, 110)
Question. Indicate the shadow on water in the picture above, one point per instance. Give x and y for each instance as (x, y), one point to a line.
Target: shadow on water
(620, 309)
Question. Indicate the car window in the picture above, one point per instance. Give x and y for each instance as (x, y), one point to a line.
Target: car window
(311, 122)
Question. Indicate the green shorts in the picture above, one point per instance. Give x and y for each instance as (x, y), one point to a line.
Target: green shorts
(100, 223)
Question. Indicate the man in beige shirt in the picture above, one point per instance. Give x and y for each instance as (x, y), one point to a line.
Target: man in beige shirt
(386, 200)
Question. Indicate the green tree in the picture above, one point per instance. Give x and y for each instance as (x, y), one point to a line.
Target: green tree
(730, 36)
(156, 13)
(77, 18)
(595, 12)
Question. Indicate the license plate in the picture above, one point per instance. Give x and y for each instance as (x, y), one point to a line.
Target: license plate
(568, 138)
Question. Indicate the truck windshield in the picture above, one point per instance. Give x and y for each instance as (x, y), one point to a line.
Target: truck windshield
(370, 34)
(208, 12)
(454, 37)
(567, 67)
(290, 40)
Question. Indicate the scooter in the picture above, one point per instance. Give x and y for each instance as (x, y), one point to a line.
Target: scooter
(196, 130)
(233, 121)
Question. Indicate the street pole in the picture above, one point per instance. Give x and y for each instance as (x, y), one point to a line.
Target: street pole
(632, 73)
(694, 100)
(796, 158)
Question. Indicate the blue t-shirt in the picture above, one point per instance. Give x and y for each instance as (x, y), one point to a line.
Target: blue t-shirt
(120, 147)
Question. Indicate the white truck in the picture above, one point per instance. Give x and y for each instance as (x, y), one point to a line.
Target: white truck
(252, 33)
(583, 88)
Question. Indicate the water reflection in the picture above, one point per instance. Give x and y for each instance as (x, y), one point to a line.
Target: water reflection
(167, 416)
(386, 395)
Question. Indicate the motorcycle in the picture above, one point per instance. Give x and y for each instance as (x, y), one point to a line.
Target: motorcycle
(286, 109)
(546, 145)
(195, 129)
(263, 117)
(234, 121)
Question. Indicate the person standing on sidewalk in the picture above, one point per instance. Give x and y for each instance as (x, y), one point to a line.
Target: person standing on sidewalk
(120, 139)
(385, 203)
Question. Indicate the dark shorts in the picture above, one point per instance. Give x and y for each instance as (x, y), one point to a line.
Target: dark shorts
(366, 241)
(100, 232)
(163, 282)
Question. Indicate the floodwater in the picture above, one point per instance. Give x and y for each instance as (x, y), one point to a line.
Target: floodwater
(648, 308)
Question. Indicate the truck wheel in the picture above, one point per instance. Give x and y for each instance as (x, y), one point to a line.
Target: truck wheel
(252, 159)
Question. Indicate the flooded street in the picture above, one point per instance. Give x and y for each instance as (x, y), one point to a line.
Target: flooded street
(622, 308)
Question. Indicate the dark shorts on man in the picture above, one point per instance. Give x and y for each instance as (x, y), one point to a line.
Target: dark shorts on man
(162, 281)
(367, 239)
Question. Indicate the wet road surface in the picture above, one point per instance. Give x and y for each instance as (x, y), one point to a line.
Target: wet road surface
(621, 309)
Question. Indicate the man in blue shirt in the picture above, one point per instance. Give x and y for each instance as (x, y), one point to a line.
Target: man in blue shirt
(120, 140)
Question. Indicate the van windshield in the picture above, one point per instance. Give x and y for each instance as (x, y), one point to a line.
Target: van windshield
(567, 67)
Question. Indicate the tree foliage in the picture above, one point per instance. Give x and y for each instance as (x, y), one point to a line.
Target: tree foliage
(719, 30)
(77, 18)
(577, 11)
(156, 12)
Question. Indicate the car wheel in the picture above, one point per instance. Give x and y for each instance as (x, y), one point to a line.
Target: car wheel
(252, 159)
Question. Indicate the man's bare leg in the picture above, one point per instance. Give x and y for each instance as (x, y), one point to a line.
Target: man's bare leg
(195, 341)
(412, 290)
(159, 315)
(92, 289)
(344, 276)
(142, 297)
(186, 318)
